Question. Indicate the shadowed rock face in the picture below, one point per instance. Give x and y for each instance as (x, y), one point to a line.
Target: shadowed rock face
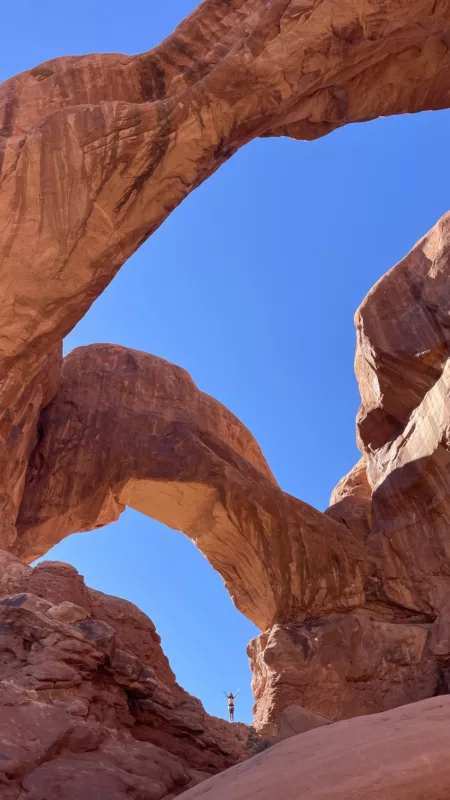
(18, 438)
(95, 152)
(88, 703)
(396, 501)
(351, 502)
(402, 365)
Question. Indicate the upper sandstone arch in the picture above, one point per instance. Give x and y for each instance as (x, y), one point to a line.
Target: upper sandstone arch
(96, 151)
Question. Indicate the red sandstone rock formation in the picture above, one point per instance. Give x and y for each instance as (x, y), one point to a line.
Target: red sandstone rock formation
(127, 428)
(178, 455)
(396, 502)
(351, 502)
(402, 365)
(95, 152)
(341, 666)
(88, 703)
(397, 755)
(18, 437)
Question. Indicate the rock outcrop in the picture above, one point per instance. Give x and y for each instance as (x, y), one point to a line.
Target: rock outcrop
(126, 428)
(395, 501)
(396, 755)
(345, 665)
(295, 720)
(18, 438)
(88, 702)
(351, 502)
(403, 368)
(95, 152)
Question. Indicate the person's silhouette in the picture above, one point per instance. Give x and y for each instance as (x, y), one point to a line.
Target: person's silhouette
(231, 698)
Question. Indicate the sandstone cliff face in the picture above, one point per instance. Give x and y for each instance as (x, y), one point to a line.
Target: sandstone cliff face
(402, 364)
(88, 703)
(342, 666)
(351, 502)
(395, 501)
(18, 438)
(95, 152)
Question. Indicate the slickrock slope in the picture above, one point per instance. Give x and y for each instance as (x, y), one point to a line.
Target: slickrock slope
(89, 706)
(127, 428)
(397, 755)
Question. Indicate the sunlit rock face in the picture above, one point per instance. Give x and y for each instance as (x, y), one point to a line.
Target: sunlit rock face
(402, 364)
(95, 152)
(127, 428)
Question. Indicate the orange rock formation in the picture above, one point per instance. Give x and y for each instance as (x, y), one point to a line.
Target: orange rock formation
(95, 152)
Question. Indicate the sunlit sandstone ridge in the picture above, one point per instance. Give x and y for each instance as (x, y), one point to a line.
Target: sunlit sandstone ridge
(396, 501)
(95, 152)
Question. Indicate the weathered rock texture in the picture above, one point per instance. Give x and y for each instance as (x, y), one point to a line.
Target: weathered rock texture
(403, 365)
(397, 755)
(89, 706)
(351, 502)
(18, 438)
(341, 666)
(95, 152)
(396, 501)
(127, 428)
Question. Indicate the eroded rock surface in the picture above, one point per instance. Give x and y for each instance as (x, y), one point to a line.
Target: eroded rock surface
(397, 755)
(127, 428)
(175, 454)
(351, 501)
(403, 365)
(95, 152)
(353, 603)
(18, 437)
(88, 703)
(342, 666)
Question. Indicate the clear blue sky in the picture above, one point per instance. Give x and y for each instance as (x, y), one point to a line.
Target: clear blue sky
(251, 285)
